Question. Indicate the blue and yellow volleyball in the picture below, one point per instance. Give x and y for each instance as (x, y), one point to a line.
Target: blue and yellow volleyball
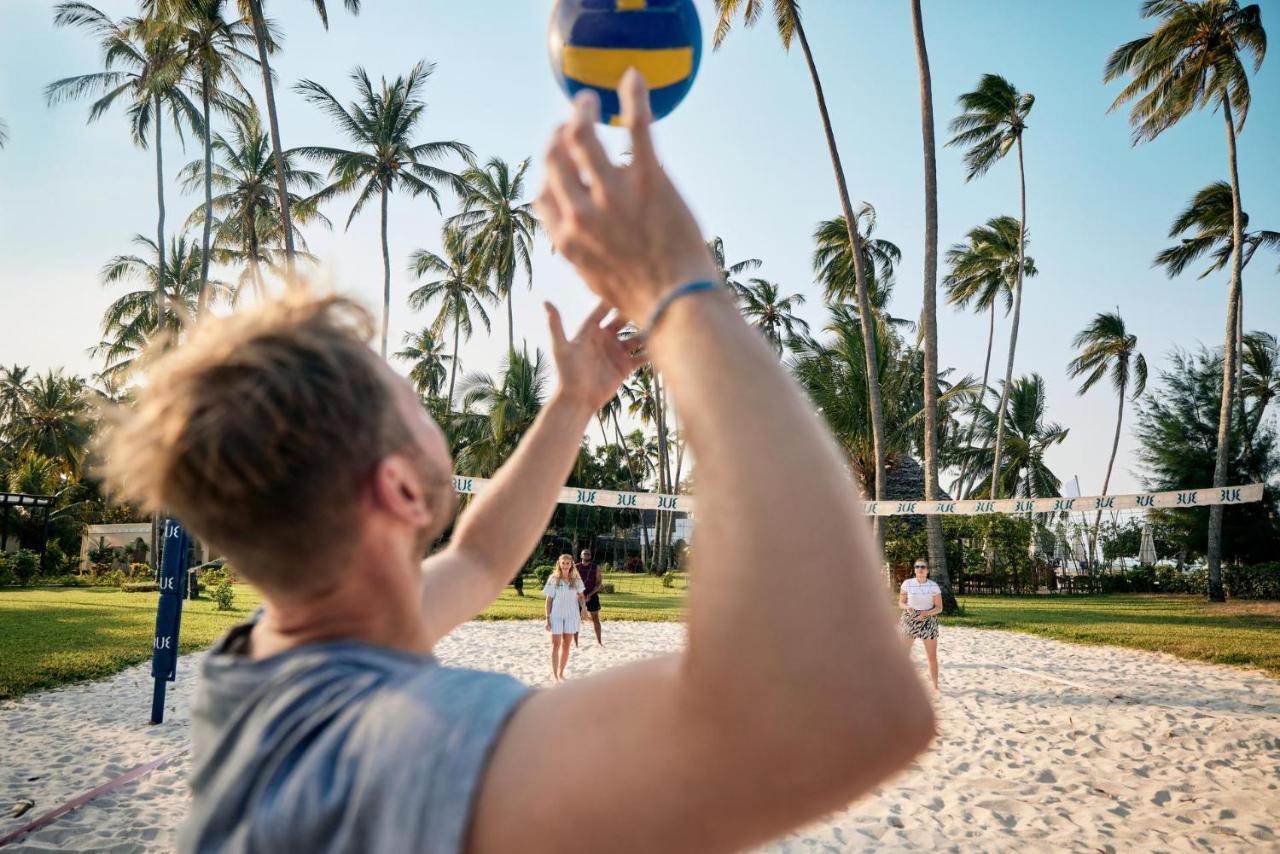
(594, 42)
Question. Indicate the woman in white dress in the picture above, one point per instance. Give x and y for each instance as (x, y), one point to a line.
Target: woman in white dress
(565, 601)
(921, 602)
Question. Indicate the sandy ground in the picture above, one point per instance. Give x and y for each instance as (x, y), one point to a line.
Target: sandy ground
(1043, 746)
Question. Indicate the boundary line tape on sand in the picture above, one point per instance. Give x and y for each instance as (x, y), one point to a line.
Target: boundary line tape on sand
(115, 783)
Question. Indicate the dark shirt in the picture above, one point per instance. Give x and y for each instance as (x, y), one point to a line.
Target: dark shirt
(590, 576)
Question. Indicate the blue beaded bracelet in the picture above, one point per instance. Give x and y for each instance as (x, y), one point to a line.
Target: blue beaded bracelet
(673, 295)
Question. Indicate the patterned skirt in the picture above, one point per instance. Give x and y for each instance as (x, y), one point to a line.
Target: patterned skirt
(926, 629)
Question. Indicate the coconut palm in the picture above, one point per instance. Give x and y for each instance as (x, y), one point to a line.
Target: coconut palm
(144, 68)
(832, 371)
(213, 48)
(382, 123)
(786, 17)
(1194, 59)
(1106, 348)
(729, 273)
(1260, 383)
(266, 43)
(54, 422)
(984, 274)
(991, 123)
(833, 265)
(1205, 228)
(773, 314)
(426, 351)
(929, 309)
(130, 323)
(1023, 471)
(247, 223)
(498, 412)
(14, 381)
(461, 292)
(501, 227)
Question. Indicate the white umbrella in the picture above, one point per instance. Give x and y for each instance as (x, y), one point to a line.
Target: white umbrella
(1147, 551)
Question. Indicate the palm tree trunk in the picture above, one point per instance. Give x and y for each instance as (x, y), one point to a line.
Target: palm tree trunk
(866, 316)
(1239, 339)
(273, 121)
(203, 298)
(453, 366)
(1013, 332)
(1106, 481)
(1214, 550)
(929, 316)
(664, 471)
(635, 487)
(386, 275)
(160, 271)
(511, 325)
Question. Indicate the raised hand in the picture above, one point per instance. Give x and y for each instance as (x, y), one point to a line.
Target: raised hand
(625, 228)
(595, 361)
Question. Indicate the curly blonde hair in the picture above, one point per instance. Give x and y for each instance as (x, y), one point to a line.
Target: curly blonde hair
(258, 432)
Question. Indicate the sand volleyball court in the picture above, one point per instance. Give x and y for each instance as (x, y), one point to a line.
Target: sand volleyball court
(1042, 746)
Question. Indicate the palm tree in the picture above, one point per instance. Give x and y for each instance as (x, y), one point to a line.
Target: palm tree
(729, 273)
(984, 273)
(500, 225)
(786, 14)
(832, 372)
(833, 265)
(213, 48)
(774, 315)
(382, 123)
(143, 67)
(1023, 471)
(1261, 380)
(247, 220)
(929, 309)
(507, 408)
(1205, 226)
(4, 133)
(426, 351)
(1193, 59)
(54, 422)
(134, 320)
(14, 384)
(1106, 348)
(265, 41)
(460, 292)
(992, 121)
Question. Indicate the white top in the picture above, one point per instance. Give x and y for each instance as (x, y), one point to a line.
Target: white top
(920, 594)
(563, 596)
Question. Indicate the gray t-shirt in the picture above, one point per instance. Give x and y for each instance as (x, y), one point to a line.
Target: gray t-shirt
(339, 746)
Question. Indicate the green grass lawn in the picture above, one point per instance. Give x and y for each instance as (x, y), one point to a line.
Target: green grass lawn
(52, 636)
(1240, 632)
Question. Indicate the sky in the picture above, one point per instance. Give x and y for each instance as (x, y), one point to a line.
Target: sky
(746, 147)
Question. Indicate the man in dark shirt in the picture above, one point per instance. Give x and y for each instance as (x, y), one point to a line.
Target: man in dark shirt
(593, 582)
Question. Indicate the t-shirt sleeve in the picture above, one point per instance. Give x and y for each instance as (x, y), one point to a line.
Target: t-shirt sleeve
(435, 745)
(582, 588)
(903, 586)
(549, 589)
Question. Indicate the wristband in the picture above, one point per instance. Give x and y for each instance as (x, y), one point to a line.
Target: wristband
(671, 296)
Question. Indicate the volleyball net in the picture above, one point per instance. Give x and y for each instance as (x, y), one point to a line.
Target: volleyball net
(1136, 542)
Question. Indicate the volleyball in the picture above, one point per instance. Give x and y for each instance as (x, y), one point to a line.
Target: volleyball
(594, 42)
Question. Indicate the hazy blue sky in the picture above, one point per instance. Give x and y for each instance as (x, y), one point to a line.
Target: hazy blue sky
(746, 147)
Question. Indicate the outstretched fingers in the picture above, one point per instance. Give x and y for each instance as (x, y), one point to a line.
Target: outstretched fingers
(638, 119)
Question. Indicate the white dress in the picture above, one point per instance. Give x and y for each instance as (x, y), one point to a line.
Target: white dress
(565, 607)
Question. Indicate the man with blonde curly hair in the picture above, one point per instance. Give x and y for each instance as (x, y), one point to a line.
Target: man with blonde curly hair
(325, 723)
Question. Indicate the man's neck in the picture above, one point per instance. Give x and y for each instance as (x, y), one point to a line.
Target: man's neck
(380, 611)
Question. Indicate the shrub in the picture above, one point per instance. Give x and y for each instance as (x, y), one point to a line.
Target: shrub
(54, 558)
(1261, 581)
(224, 595)
(7, 578)
(67, 581)
(543, 572)
(213, 576)
(24, 565)
(606, 588)
(139, 571)
(140, 587)
(668, 579)
(633, 564)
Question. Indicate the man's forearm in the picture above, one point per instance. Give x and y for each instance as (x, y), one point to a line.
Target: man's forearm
(505, 521)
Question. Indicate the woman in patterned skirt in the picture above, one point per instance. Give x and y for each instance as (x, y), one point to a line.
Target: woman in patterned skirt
(921, 602)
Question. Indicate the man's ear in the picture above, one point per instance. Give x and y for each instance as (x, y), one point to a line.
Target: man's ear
(398, 490)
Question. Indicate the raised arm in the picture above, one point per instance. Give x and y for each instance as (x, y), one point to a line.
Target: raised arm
(783, 707)
(502, 526)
